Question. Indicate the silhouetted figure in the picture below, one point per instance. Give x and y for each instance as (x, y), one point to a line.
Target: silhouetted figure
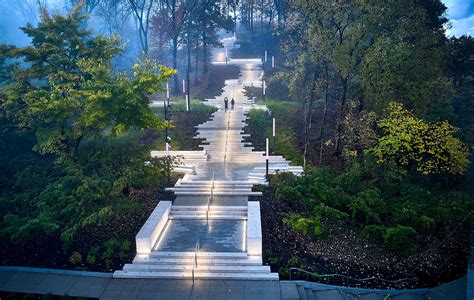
(226, 103)
(232, 103)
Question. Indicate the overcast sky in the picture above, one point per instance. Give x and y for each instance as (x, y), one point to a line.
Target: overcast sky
(461, 16)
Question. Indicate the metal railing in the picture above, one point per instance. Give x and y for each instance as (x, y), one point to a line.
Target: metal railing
(210, 198)
(290, 271)
(195, 262)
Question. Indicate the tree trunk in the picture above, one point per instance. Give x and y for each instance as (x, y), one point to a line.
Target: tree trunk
(204, 49)
(337, 146)
(325, 113)
(175, 63)
(188, 90)
(309, 115)
(196, 68)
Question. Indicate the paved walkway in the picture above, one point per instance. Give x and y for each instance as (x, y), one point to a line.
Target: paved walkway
(103, 286)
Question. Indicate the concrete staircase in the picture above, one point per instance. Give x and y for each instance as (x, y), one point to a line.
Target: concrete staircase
(214, 212)
(212, 230)
(216, 188)
(207, 265)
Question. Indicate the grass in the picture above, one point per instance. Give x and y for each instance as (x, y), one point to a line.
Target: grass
(260, 127)
(183, 131)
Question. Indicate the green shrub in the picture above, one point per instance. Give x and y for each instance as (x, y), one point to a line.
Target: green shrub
(367, 206)
(311, 227)
(92, 255)
(374, 232)
(330, 212)
(75, 258)
(399, 237)
(281, 180)
(289, 194)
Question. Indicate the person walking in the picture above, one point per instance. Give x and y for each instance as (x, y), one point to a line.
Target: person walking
(226, 103)
(232, 103)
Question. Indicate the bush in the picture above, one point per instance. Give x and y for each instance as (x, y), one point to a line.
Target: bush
(289, 194)
(75, 258)
(367, 206)
(375, 232)
(399, 237)
(330, 212)
(311, 227)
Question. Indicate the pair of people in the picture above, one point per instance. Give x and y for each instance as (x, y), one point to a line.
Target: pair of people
(226, 103)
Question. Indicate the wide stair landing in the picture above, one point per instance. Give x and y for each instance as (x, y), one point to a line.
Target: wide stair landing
(201, 243)
(210, 265)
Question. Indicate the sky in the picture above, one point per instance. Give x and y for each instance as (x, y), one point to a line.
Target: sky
(461, 16)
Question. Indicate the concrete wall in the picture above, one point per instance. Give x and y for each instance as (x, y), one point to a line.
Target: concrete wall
(151, 230)
(254, 229)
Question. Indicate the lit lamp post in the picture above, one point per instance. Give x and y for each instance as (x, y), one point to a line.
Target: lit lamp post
(168, 158)
(264, 88)
(266, 161)
(273, 62)
(186, 96)
(225, 47)
(168, 94)
(274, 135)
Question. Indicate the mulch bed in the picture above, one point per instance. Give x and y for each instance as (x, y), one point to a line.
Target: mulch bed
(345, 252)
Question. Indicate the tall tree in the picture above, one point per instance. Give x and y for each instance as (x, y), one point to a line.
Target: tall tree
(169, 22)
(142, 10)
(67, 92)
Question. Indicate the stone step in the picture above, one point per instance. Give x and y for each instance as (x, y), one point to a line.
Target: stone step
(201, 267)
(208, 189)
(216, 183)
(197, 274)
(211, 216)
(208, 193)
(215, 261)
(186, 208)
(234, 255)
(217, 187)
(274, 168)
(211, 212)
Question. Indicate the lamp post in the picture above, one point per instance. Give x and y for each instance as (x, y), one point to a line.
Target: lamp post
(225, 47)
(168, 94)
(266, 161)
(274, 135)
(184, 87)
(264, 88)
(273, 62)
(168, 160)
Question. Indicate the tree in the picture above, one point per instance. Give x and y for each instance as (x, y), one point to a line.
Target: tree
(170, 19)
(115, 14)
(68, 92)
(142, 12)
(407, 61)
(430, 148)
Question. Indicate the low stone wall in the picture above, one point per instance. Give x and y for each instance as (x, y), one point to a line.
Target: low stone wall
(151, 230)
(254, 229)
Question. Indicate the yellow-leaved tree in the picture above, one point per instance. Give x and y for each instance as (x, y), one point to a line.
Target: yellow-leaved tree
(430, 148)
